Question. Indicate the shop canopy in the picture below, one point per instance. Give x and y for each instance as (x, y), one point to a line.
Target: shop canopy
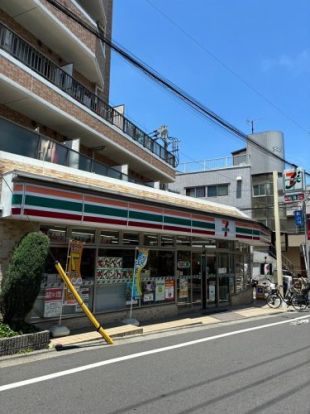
(109, 203)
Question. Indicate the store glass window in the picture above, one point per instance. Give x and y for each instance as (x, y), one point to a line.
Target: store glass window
(160, 263)
(109, 237)
(150, 240)
(183, 263)
(88, 264)
(131, 239)
(84, 235)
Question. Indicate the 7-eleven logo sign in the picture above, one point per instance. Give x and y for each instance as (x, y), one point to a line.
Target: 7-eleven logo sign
(225, 228)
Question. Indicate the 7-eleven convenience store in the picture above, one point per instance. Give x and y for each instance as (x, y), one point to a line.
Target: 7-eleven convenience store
(199, 252)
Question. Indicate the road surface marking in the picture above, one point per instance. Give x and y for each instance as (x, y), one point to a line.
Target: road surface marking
(141, 354)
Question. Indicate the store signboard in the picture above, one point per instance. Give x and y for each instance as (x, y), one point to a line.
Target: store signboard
(225, 228)
(293, 197)
(294, 180)
(299, 217)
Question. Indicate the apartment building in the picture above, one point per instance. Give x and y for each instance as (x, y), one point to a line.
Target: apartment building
(76, 168)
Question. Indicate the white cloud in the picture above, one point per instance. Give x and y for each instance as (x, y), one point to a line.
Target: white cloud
(297, 64)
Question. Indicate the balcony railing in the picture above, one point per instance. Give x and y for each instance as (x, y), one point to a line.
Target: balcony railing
(21, 141)
(214, 164)
(28, 55)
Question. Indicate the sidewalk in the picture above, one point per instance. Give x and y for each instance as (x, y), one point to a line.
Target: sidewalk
(128, 330)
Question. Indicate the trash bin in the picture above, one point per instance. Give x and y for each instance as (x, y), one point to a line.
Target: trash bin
(261, 291)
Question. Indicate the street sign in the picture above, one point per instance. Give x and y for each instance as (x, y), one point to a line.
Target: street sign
(299, 217)
(294, 180)
(291, 198)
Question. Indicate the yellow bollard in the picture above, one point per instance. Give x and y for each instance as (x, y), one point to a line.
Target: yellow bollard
(84, 307)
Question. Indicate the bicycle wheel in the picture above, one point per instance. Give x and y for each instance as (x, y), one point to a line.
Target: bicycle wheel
(273, 300)
(299, 302)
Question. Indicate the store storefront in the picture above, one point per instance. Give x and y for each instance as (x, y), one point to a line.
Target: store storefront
(195, 258)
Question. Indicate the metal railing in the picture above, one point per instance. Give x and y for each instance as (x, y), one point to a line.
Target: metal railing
(22, 141)
(214, 164)
(28, 55)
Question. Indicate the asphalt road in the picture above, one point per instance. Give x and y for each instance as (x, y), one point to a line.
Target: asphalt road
(258, 366)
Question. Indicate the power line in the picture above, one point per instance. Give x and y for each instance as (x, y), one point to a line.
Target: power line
(170, 86)
(225, 66)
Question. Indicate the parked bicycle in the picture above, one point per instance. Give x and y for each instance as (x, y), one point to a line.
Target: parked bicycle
(275, 298)
(300, 300)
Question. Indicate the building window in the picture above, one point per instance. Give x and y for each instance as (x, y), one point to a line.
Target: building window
(262, 189)
(239, 189)
(196, 191)
(217, 190)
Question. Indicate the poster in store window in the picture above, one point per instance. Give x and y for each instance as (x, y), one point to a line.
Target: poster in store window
(183, 288)
(84, 293)
(148, 291)
(52, 302)
(169, 289)
(212, 293)
(52, 309)
(159, 290)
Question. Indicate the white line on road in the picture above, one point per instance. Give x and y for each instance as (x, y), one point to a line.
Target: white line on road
(140, 354)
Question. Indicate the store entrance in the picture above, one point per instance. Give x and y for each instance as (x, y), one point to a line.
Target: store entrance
(209, 281)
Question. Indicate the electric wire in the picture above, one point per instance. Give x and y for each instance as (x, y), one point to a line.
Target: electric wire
(224, 65)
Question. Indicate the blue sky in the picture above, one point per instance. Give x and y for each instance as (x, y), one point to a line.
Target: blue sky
(243, 59)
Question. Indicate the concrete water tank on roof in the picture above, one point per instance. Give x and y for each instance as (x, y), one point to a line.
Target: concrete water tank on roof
(263, 162)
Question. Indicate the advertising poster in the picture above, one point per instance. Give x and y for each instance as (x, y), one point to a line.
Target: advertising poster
(183, 288)
(148, 291)
(212, 293)
(52, 294)
(169, 289)
(84, 293)
(52, 302)
(52, 309)
(159, 290)
(109, 268)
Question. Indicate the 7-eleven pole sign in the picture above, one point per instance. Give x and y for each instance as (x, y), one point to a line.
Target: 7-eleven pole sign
(294, 180)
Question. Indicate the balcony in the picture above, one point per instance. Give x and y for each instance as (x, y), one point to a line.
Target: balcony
(21, 141)
(51, 28)
(25, 53)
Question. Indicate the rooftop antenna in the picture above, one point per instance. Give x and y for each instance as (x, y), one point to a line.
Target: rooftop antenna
(163, 134)
(251, 122)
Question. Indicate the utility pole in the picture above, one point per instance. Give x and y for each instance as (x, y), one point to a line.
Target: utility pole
(277, 231)
(306, 251)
